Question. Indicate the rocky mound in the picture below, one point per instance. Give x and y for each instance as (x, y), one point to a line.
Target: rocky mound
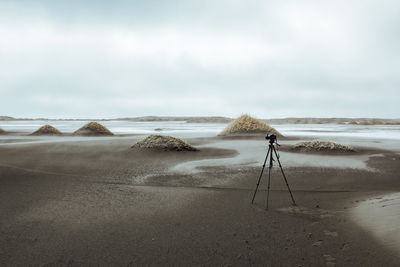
(322, 146)
(248, 125)
(93, 128)
(166, 143)
(2, 131)
(47, 130)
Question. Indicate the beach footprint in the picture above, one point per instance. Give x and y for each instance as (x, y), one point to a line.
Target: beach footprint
(317, 243)
(329, 260)
(329, 233)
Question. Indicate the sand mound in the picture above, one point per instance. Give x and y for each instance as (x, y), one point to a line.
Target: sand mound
(248, 125)
(46, 130)
(166, 143)
(93, 128)
(322, 146)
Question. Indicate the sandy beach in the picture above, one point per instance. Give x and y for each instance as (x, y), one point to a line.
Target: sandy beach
(133, 133)
(97, 202)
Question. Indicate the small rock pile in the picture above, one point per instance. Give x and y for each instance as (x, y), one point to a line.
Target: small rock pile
(47, 130)
(165, 143)
(322, 146)
(248, 125)
(93, 128)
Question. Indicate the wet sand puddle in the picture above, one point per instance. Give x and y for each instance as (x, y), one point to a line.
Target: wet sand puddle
(381, 217)
(252, 153)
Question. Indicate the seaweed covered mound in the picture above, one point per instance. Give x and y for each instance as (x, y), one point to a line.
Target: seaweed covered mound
(166, 143)
(248, 125)
(93, 128)
(322, 146)
(46, 130)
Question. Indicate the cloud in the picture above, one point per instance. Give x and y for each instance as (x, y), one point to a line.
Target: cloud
(271, 59)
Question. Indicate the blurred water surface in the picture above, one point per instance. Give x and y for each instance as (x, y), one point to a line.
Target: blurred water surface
(184, 129)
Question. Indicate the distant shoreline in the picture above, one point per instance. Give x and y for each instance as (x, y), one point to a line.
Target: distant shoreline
(219, 119)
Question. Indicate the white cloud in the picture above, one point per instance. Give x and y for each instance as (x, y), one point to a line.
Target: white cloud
(235, 57)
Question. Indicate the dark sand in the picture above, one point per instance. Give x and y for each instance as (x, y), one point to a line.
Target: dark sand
(100, 203)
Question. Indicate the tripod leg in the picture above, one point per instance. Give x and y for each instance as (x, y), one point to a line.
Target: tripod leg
(269, 183)
(262, 171)
(269, 176)
(284, 177)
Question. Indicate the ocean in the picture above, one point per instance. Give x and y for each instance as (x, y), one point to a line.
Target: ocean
(184, 129)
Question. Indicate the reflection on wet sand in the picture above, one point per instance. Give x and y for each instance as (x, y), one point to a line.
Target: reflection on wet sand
(381, 217)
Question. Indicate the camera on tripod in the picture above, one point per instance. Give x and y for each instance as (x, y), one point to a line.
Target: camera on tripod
(271, 138)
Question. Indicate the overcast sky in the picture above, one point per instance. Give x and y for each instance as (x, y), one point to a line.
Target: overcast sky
(270, 59)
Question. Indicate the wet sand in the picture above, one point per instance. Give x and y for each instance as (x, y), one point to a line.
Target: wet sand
(381, 217)
(100, 203)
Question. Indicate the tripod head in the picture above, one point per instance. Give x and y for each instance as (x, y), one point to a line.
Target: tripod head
(272, 138)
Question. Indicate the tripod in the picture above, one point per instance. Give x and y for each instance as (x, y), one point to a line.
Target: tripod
(270, 153)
